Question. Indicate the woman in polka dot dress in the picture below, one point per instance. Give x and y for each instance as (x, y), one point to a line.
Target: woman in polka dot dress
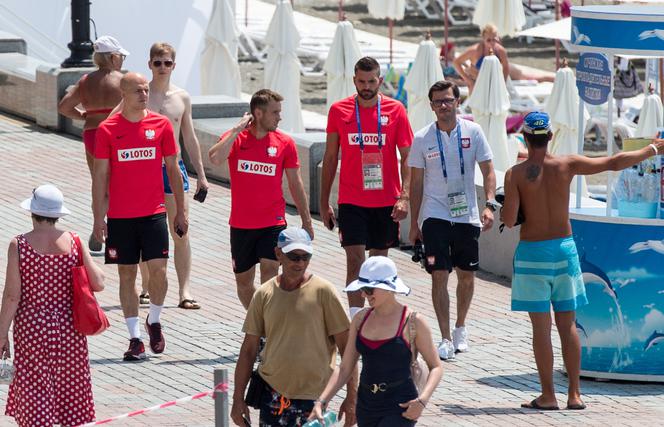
(52, 383)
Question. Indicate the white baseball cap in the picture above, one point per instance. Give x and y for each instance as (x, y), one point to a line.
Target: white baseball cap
(379, 272)
(294, 238)
(109, 44)
(46, 201)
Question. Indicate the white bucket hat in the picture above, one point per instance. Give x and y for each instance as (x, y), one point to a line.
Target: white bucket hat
(379, 272)
(109, 44)
(46, 201)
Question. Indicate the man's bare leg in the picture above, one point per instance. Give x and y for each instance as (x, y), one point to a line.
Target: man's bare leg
(182, 250)
(441, 301)
(245, 286)
(158, 282)
(544, 357)
(354, 259)
(128, 294)
(571, 347)
(464, 294)
(269, 269)
(145, 278)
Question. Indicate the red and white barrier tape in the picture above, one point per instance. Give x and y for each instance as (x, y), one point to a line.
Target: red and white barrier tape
(220, 388)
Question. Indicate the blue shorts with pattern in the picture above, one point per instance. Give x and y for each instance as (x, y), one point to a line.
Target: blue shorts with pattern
(547, 273)
(277, 410)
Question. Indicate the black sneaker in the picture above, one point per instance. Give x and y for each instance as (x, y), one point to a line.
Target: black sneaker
(93, 244)
(136, 351)
(157, 340)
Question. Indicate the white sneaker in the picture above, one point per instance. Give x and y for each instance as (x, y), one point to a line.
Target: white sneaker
(460, 339)
(446, 350)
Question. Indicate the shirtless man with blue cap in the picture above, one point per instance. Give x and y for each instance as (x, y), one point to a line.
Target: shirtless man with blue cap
(546, 264)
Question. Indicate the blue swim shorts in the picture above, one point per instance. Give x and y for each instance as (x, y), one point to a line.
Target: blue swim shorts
(185, 178)
(547, 273)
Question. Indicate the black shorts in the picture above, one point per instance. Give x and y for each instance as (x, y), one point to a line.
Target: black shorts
(450, 244)
(372, 227)
(249, 245)
(131, 240)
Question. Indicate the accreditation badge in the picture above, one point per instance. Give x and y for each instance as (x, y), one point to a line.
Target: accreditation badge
(456, 198)
(372, 170)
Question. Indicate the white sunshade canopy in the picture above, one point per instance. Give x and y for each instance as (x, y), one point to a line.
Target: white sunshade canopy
(219, 56)
(426, 71)
(563, 108)
(340, 63)
(392, 9)
(282, 69)
(507, 15)
(489, 104)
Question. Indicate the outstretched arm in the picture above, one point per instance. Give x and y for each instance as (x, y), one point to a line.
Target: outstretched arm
(582, 165)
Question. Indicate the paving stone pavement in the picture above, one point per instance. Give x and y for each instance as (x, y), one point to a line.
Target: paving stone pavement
(482, 387)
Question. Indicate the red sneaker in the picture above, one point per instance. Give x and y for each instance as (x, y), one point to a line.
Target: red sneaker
(136, 350)
(157, 340)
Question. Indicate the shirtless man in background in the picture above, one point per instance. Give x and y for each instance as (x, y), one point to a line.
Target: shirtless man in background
(175, 103)
(546, 262)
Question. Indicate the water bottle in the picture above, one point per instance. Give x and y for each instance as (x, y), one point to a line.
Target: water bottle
(6, 371)
(329, 417)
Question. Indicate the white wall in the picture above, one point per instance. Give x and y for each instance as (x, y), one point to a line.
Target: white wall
(46, 27)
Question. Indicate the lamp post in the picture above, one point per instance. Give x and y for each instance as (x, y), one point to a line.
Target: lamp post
(80, 45)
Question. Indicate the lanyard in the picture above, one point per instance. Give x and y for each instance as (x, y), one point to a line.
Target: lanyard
(359, 125)
(442, 154)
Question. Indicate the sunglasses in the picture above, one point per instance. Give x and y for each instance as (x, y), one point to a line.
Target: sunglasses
(157, 63)
(367, 290)
(439, 102)
(297, 257)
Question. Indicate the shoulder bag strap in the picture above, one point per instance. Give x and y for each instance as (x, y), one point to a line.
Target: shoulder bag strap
(77, 242)
(411, 335)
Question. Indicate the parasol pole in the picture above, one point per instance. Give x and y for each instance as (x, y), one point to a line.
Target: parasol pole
(390, 24)
(609, 141)
(447, 24)
(341, 10)
(246, 13)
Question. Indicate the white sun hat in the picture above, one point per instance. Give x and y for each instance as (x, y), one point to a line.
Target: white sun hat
(46, 201)
(379, 272)
(109, 44)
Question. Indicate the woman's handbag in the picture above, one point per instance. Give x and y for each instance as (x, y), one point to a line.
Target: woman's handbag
(419, 370)
(626, 83)
(89, 318)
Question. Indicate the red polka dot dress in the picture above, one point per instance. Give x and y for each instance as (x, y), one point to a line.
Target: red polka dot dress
(52, 383)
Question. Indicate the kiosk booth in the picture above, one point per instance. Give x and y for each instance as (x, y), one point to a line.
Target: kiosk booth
(621, 250)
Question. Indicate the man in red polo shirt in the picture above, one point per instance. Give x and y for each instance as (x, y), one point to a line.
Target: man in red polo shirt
(128, 153)
(369, 129)
(258, 155)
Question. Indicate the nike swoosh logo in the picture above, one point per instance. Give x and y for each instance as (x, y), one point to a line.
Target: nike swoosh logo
(473, 264)
(119, 136)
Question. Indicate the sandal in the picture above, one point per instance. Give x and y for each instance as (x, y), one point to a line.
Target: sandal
(534, 405)
(144, 298)
(189, 304)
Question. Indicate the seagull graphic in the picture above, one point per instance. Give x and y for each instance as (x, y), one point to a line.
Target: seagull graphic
(580, 38)
(653, 245)
(652, 33)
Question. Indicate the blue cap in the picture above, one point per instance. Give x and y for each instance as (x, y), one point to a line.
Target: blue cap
(536, 123)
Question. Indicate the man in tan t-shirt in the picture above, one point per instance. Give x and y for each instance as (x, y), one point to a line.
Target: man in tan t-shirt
(303, 320)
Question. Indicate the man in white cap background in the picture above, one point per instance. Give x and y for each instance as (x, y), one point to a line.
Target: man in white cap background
(98, 93)
(129, 152)
(303, 320)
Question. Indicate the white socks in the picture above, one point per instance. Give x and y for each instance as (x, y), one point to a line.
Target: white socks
(133, 327)
(155, 312)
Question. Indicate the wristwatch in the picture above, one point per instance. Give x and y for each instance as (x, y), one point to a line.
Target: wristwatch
(493, 205)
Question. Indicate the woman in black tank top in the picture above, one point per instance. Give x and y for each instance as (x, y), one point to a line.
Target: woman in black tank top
(387, 395)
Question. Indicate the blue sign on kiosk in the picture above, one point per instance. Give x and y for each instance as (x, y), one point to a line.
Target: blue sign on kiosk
(593, 78)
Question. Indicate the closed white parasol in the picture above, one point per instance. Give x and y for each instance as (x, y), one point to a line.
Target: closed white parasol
(220, 72)
(426, 71)
(282, 69)
(563, 109)
(490, 103)
(340, 63)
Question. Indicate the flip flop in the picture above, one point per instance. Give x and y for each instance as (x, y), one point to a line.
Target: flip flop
(576, 406)
(534, 405)
(189, 304)
(144, 298)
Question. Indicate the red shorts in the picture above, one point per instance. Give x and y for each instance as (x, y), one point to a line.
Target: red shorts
(89, 140)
